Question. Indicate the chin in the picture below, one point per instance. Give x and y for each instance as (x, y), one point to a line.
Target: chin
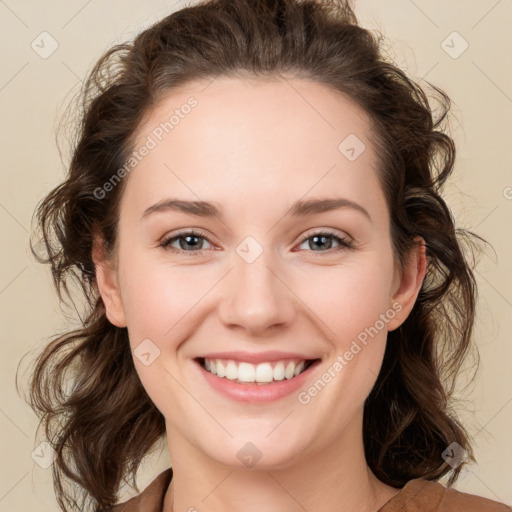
(261, 455)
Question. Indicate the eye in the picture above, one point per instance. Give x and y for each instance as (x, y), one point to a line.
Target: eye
(186, 240)
(324, 239)
(192, 242)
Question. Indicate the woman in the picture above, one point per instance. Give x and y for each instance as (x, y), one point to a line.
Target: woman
(275, 283)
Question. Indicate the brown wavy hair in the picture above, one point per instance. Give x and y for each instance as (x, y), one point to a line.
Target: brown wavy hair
(84, 386)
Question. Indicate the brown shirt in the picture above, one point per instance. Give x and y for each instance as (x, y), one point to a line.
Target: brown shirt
(417, 495)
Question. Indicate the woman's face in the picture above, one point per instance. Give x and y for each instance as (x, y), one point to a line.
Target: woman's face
(253, 284)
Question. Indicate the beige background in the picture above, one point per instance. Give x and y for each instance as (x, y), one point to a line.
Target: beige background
(33, 91)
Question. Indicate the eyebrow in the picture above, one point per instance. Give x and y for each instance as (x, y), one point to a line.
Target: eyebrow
(300, 208)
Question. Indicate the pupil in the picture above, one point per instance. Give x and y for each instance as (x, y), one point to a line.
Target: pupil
(187, 240)
(322, 238)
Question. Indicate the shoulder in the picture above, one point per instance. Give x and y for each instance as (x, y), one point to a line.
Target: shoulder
(420, 495)
(150, 499)
(469, 502)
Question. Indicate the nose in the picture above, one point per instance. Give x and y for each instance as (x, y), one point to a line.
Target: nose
(257, 298)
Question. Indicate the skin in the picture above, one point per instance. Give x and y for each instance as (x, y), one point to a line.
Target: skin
(254, 147)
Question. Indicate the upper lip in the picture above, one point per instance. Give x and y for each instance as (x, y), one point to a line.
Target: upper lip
(260, 357)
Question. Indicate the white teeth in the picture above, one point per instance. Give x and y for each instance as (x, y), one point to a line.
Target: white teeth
(261, 373)
(221, 370)
(279, 371)
(264, 373)
(299, 368)
(289, 372)
(246, 372)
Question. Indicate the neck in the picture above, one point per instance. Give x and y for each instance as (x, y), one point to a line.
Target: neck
(333, 479)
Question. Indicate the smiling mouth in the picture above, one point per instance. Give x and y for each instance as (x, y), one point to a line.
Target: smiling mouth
(261, 374)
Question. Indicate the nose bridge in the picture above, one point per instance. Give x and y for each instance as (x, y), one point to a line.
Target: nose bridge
(255, 295)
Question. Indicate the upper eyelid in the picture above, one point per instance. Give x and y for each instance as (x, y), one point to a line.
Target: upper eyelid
(331, 231)
(308, 234)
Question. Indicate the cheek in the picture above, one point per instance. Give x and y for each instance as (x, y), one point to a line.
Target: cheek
(348, 298)
(157, 295)
(167, 303)
(161, 302)
(161, 299)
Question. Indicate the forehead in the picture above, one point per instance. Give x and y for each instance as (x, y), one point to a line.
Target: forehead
(265, 104)
(231, 136)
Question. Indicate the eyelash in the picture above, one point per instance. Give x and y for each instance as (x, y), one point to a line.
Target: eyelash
(345, 243)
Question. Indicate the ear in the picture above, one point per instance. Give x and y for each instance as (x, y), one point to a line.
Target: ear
(108, 284)
(407, 283)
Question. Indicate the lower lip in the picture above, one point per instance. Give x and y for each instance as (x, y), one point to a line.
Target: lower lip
(256, 393)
